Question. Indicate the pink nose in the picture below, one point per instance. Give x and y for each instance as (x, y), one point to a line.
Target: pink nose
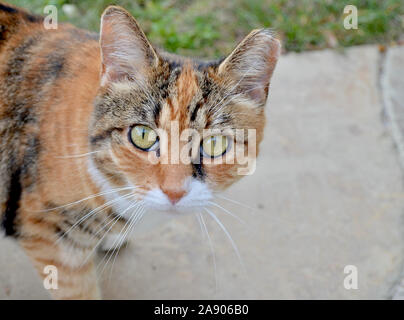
(174, 195)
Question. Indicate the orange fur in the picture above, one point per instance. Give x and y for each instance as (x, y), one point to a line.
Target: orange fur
(62, 100)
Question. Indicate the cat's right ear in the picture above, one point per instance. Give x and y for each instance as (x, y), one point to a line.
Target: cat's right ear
(250, 66)
(125, 51)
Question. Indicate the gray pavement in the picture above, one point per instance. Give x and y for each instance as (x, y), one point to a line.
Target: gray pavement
(327, 193)
(392, 87)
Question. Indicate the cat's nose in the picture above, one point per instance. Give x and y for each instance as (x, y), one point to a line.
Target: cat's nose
(174, 195)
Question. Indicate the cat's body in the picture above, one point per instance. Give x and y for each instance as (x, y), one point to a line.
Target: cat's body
(65, 110)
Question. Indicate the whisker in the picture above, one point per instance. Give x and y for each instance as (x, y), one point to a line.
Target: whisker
(232, 89)
(107, 255)
(116, 242)
(212, 249)
(236, 202)
(255, 211)
(107, 224)
(89, 198)
(77, 155)
(214, 217)
(92, 212)
(228, 212)
(131, 227)
(105, 205)
(115, 221)
(200, 225)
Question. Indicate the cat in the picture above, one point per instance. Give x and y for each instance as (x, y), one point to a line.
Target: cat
(79, 120)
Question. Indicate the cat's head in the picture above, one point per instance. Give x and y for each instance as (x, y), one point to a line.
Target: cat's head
(164, 126)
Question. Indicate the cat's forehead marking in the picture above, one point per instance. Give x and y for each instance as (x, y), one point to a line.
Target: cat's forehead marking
(176, 106)
(187, 86)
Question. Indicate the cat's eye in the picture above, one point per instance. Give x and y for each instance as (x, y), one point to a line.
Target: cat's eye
(143, 137)
(215, 146)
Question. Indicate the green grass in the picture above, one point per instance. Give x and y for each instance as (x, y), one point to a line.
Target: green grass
(211, 28)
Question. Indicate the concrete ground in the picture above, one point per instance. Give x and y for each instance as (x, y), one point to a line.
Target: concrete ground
(327, 193)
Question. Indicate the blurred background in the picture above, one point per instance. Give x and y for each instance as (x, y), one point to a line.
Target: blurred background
(206, 28)
(328, 190)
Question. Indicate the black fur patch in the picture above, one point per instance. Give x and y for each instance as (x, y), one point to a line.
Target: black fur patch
(7, 9)
(16, 63)
(19, 148)
(56, 64)
(102, 136)
(12, 204)
(198, 172)
(203, 65)
(53, 69)
(156, 111)
(174, 65)
(29, 174)
(33, 18)
(195, 111)
(25, 15)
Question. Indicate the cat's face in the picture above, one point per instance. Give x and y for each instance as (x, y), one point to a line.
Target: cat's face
(168, 131)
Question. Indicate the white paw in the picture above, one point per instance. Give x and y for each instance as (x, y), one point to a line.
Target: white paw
(113, 242)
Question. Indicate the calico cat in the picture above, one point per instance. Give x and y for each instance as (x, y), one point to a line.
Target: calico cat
(80, 116)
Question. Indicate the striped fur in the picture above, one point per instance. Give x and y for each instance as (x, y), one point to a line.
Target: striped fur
(64, 94)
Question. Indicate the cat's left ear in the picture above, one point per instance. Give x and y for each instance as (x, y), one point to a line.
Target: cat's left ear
(251, 64)
(126, 52)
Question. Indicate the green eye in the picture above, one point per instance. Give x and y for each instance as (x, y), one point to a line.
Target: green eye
(143, 137)
(215, 146)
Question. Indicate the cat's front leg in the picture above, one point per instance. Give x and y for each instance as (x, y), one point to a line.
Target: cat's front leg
(75, 280)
